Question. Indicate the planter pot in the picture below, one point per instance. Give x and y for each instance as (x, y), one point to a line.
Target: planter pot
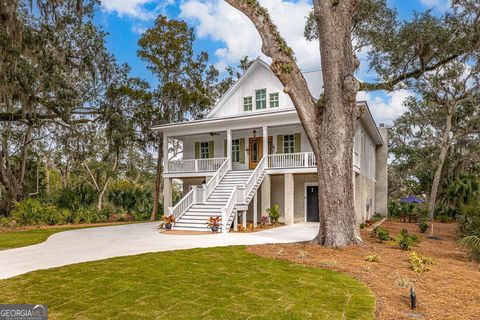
(214, 229)
(168, 226)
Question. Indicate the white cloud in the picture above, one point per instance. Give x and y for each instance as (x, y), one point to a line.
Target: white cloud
(385, 107)
(219, 21)
(137, 9)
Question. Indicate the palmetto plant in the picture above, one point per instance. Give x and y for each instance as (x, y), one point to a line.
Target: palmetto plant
(462, 190)
(473, 244)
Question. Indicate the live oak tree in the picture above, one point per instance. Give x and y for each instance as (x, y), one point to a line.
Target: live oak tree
(400, 51)
(441, 126)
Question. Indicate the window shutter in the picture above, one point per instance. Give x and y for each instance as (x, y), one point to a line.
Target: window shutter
(280, 144)
(242, 150)
(211, 149)
(298, 142)
(225, 148)
(197, 150)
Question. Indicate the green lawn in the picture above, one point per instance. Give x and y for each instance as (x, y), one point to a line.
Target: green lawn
(23, 238)
(216, 283)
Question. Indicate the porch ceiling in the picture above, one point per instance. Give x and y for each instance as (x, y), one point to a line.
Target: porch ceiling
(271, 119)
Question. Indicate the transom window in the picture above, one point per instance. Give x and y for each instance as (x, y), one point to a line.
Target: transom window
(274, 102)
(261, 99)
(288, 143)
(247, 104)
(236, 150)
(204, 150)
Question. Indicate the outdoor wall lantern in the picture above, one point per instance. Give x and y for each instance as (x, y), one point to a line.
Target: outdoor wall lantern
(254, 133)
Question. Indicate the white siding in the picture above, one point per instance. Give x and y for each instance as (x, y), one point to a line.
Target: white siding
(364, 153)
(259, 78)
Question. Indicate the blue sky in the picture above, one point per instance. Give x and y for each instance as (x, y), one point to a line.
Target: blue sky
(227, 35)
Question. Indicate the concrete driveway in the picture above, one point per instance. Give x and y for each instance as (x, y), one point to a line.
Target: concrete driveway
(91, 244)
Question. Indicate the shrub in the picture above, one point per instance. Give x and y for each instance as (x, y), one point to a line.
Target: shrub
(362, 225)
(75, 197)
(88, 215)
(133, 199)
(418, 262)
(407, 241)
(443, 218)
(381, 233)
(473, 244)
(394, 209)
(32, 212)
(274, 213)
(377, 217)
(469, 220)
(373, 258)
(423, 226)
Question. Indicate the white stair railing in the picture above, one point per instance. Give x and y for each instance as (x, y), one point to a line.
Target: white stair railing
(215, 179)
(184, 204)
(228, 209)
(255, 176)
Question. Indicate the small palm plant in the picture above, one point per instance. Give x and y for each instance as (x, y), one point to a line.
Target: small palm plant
(473, 244)
(274, 214)
(214, 223)
(167, 222)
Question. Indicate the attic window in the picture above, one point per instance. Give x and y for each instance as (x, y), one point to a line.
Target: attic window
(247, 104)
(261, 99)
(274, 102)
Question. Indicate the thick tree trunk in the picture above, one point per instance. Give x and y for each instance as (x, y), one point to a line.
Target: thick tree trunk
(438, 171)
(329, 123)
(158, 180)
(336, 124)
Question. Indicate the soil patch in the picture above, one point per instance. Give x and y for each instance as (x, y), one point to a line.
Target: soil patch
(450, 290)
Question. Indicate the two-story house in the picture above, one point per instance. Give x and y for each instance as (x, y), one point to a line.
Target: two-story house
(251, 152)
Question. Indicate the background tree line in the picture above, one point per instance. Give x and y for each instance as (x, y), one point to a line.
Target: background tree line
(75, 127)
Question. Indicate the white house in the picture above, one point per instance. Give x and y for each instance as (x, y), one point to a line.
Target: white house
(250, 152)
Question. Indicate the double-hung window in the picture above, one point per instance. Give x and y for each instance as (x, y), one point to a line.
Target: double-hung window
(247, 104)
(236, 150)
(274, 101)
(288, 143)
(204, 150)
(261, 99)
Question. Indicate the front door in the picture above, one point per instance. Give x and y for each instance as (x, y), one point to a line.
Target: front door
(255, 147)
(312, 204)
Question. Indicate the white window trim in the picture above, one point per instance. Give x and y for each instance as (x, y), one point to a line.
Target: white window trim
(265, 100)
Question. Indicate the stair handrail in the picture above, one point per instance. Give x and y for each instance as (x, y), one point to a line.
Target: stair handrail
(184, 204)
(228, 209)
(256, 174)
(215, 179)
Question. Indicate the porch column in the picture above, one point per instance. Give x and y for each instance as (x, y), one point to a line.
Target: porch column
(167, 194)
(165, 153)
(229, 148)
(289, 198)
(255, 209)
(266, 194)
(265, 140)
(244, 219)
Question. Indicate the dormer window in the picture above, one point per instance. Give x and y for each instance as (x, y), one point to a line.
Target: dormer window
(274, 102)
(247, 104)
(261, 99)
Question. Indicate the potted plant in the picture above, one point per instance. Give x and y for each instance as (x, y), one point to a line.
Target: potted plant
(168, 222)
(214, 223)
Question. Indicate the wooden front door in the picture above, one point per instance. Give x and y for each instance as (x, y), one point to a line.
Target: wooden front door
(255, 145)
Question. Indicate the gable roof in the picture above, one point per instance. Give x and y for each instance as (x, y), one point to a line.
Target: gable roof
(314, 81)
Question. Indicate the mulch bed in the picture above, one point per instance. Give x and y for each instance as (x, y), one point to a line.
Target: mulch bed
(450, 290)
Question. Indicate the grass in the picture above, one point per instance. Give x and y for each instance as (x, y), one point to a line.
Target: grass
(23, 238)
(215, 283)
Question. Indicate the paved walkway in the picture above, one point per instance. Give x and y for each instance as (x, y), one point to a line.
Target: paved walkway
(91, 244)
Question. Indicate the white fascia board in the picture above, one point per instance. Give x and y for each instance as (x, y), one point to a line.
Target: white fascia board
(270, 119)
(369, 123)
(233, 88)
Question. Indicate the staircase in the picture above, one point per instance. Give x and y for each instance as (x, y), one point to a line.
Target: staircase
(196, 216)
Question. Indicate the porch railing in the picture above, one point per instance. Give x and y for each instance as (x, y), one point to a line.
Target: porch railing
(292, 160)
(194, 165)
